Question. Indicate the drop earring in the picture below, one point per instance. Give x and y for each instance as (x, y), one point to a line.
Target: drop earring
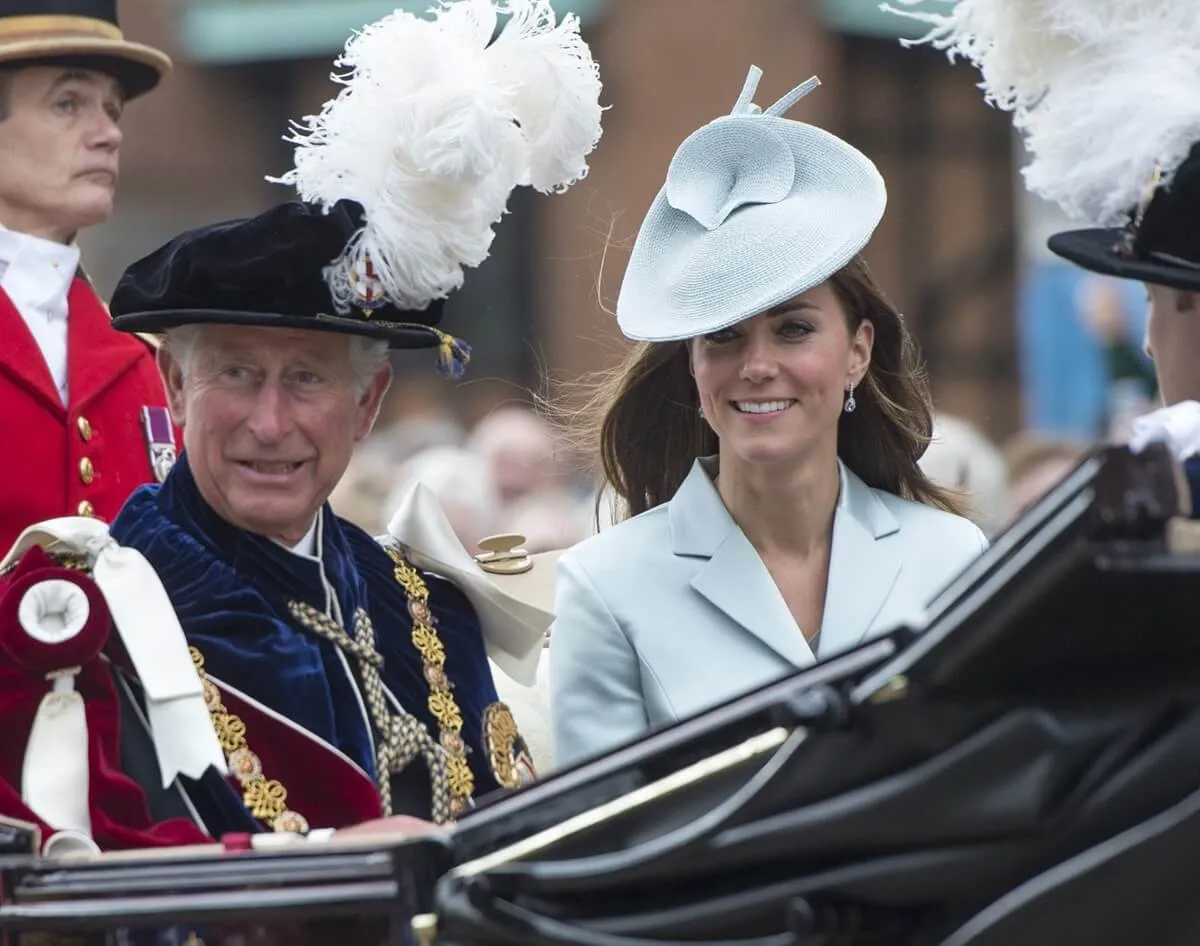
(850, 404)
(700, 411)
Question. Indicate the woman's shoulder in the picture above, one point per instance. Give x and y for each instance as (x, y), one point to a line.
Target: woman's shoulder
(626, 547)
(924, 522)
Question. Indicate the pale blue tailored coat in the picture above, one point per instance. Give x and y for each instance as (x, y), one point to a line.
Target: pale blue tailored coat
(673, 611)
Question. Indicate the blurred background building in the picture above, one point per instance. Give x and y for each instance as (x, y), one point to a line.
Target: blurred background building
(1016, 343)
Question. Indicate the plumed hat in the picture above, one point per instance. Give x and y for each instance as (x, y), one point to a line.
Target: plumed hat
(1104, 92)
(401, 176)
(263, 270)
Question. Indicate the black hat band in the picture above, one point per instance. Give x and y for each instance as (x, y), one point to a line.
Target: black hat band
(1174, 260)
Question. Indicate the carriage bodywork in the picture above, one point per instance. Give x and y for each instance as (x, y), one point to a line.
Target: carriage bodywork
(1018, 767)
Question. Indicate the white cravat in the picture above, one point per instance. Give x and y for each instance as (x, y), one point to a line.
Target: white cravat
(37, 275)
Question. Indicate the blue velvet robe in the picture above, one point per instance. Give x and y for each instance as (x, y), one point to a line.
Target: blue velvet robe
(231, 590)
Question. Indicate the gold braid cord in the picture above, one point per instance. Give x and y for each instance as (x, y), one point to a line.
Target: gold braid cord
(265, 798)
(441, 700)
(78, 563)
(399, 736)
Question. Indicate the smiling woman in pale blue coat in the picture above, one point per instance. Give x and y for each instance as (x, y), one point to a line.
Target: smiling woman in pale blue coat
(763, 441)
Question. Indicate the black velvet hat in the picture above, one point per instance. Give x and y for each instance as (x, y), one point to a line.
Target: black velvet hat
(267, 270)
(1160, 245)
(82, 33)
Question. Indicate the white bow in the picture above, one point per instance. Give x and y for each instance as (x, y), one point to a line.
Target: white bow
(184, 738)
(513, 631)
(55, 770)
(1178, 426)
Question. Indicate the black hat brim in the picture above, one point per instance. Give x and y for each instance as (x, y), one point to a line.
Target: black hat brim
(1095, 250)
(396, 334)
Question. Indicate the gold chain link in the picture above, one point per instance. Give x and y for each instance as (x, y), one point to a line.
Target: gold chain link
(500, 735)
(441, 701)
(265, 798)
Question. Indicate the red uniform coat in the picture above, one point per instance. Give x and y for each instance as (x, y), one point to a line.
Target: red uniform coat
(86, 458)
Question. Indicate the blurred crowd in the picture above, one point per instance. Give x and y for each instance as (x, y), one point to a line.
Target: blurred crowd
(1000, 481)
(505, 473)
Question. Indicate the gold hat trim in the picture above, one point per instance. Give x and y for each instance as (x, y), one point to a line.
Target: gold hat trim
(42, 24)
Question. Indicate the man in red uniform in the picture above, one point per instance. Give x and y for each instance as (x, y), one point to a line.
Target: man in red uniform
(82, 406)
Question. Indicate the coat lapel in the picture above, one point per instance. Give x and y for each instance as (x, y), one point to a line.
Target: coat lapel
(23, 360)
(97, 354)
(734, 579)
(862, 568)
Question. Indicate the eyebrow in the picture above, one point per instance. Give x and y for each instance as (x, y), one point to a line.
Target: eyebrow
(307, 359)
(72, 75)
(88, 78)
(793, 306)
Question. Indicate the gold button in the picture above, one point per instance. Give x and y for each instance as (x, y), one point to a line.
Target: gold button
(87, 472)
(86, 509)
(85, 428)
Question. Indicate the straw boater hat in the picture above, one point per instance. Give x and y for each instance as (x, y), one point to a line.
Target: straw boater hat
(78, 32)
(1104, 92)
(756, 209)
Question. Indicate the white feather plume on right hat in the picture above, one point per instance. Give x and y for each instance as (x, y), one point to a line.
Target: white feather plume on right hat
(1104, 91)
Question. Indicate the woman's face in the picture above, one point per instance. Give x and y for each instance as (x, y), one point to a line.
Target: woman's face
(773, 387)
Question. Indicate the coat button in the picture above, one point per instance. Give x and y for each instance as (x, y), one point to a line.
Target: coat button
(86, 509)
(85, 428)
(87, 472)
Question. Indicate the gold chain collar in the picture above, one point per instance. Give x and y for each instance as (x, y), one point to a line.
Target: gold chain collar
(266, 798)
(441, 701)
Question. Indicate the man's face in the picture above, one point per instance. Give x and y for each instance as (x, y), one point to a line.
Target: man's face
(1173, 341)
(59, 150)
(270, 417)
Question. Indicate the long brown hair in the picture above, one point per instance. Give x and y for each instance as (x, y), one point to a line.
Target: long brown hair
(644, 413)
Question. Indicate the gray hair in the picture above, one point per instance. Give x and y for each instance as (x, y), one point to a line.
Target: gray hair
(367, 355)
(367, 358)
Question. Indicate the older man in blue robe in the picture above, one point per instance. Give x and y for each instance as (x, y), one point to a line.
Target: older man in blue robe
(344, 682)
(346, 678)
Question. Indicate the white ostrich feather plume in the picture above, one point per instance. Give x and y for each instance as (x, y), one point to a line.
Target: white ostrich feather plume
(1104, 91)
(438, 121)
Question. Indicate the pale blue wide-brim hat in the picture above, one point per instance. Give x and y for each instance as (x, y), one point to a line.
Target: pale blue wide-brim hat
(756, 209)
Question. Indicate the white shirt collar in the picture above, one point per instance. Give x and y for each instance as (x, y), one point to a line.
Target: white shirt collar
(307, 547)
(37, 273)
